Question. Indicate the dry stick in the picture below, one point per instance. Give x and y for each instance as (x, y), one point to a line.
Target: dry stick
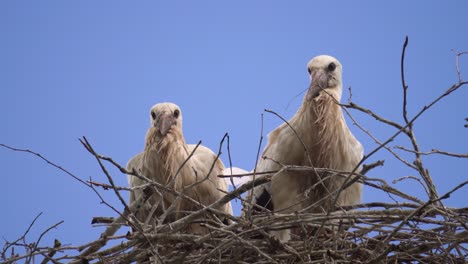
(27, 255)
(107, 186)
(251, 192)
(110, 231)
(367, 167)
(405, 221)
(403, 128)
(377, 141)
(44, 232)
(117, 248)
(412, 178)
(391, 138)
(247, 174)
(418, 162)
(230, 161)
(8, 245)
(435, 151)
(98, 244)
(234, 236)
(374, 115)
(90, 149)
(51, 254)
(350, 181)
(457, 56)
(425, 247)
(385, 186)
(405, 87)
(60, 168)
(47, 161)
(115, 225)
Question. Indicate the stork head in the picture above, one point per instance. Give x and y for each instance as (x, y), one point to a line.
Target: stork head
(325, 76)
(165, 116)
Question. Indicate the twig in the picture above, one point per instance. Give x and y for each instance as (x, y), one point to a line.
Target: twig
(89, 148)
(435, 151)
(403, 83)
(47, 161)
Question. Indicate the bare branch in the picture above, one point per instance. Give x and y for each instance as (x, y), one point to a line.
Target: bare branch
(403, 83)
(435, 151)
(46, 160)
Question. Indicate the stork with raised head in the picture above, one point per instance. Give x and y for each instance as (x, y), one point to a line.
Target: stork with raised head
(320, 127)
(165, 160)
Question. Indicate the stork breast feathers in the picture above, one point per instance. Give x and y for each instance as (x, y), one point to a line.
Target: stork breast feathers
(320, 136)
(166, 159)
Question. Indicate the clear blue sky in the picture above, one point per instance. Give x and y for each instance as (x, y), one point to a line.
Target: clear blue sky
(94, 68)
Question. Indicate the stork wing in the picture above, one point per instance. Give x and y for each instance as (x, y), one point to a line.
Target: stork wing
(205, 158)
(134, 164)
(234, 180)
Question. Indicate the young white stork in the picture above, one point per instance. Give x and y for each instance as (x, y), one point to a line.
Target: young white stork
(320, 125)
(164, 160)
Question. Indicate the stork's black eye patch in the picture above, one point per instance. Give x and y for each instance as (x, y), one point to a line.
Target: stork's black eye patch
(176, 113)
(309, 70)
(153, 115)
(331, 67)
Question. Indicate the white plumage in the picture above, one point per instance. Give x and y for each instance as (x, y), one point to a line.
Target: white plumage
(163, 160)
(233, 180)
(320, 124)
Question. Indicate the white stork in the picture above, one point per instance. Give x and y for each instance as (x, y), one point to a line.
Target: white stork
(320, 125)
(164, 160)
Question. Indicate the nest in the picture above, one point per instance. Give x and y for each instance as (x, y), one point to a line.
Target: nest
(399, 232)
(408, 229)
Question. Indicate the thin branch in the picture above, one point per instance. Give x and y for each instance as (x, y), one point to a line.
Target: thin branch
(295, 133)
(457, 68)
(403, 83)
(435, 151)
(46, 160)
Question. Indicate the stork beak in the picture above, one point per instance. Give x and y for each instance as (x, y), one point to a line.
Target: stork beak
(319, 81)
(165, 123)
(313, 91)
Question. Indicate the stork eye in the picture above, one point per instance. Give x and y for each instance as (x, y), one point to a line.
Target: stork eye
(309, 70)
(153, 115)
(176, 113)
(331, 67)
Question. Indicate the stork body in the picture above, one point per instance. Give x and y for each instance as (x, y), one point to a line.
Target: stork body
(320, 125)
(165, 160)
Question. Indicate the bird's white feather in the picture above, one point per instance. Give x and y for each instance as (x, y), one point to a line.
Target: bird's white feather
(168, 160)
(317, 135)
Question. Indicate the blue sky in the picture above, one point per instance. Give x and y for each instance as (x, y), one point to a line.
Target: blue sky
(94, 68)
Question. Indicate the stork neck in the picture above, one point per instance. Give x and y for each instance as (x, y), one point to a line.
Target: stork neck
(319, 120)
(171, 152)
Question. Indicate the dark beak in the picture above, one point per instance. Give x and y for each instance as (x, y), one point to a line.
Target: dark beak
(165, 123)
(313, 91)
(318, 83)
